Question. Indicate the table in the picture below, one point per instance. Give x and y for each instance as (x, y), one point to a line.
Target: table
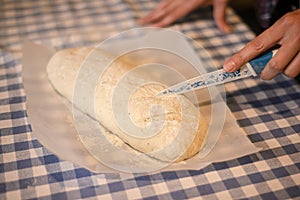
(268, 111)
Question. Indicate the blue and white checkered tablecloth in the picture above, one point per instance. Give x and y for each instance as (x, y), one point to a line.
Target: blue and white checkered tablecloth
(268, 111)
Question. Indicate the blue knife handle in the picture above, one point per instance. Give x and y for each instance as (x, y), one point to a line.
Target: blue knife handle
(259, 63)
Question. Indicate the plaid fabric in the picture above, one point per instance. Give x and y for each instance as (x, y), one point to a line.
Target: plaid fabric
(268, 111)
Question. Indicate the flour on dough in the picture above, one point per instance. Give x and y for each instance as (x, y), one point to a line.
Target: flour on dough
(184, 129)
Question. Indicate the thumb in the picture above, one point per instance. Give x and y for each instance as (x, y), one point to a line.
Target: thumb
(219, 14)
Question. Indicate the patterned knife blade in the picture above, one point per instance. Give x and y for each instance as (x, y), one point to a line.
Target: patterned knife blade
(252, 68)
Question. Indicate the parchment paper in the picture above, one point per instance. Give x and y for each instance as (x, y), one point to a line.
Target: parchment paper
(51, 119)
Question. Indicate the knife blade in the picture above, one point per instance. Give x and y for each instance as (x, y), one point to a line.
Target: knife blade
(252, 68)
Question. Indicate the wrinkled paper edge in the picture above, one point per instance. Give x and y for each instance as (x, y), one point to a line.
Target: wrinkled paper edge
(233, 142)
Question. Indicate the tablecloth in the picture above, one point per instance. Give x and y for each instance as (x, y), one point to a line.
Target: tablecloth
(268, 111)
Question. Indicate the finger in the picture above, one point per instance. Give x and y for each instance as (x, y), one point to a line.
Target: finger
(293, 69)
(172, 11)
(158, 10)
(167, 20)
(156, 13)
(280, 61)
(254, 48)
(219, 14)
(173, 15)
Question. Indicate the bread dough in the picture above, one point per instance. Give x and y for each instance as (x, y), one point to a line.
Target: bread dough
(179, 129)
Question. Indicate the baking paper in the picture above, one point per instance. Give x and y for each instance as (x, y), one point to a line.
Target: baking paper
(52, 120)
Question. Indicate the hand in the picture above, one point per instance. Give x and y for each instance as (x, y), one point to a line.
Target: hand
(168, 11)
(285, 32)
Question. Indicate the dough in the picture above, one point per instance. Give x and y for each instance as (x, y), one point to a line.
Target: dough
(179, 129)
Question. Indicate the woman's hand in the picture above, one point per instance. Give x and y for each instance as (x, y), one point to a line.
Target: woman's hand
(168, 11)
(285, 32)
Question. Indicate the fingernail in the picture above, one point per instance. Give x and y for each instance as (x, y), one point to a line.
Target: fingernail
(264, 77)
(227, 29)
(141, 21)
(229, 65)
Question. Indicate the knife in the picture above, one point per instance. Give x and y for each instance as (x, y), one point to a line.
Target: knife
(252, 68)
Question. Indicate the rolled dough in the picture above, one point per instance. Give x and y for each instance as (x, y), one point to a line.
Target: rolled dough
(183, 131)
